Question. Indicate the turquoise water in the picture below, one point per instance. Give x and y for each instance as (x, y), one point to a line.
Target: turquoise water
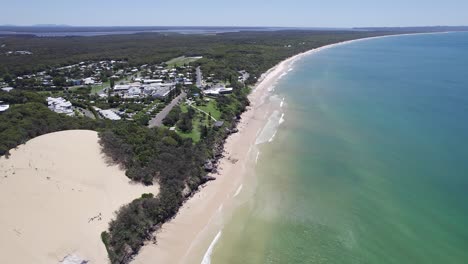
(371, 164)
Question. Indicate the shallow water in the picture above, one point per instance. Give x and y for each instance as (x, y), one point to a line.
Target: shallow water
(369, 164)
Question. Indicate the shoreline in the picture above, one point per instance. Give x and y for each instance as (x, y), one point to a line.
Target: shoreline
(191, 236)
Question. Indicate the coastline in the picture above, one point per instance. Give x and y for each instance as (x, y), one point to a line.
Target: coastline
(191, 236)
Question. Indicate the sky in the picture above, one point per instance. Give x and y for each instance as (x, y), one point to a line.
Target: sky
(284, 13)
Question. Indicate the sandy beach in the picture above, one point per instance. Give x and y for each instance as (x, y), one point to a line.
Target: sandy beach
(57, 194)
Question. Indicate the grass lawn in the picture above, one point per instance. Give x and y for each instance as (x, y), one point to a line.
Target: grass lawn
(180, 61)
(97, 88)
(211, 107)
(195, 134)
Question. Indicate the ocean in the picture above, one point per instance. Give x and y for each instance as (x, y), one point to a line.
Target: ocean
(369, 163)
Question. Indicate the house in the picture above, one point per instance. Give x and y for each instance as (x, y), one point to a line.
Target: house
(75, 82)
(121, 87)
(3, 107)
(149, 81)
(218, 124)
(109, 114)
(7, 89)
(217, 91)
(88, 81)
(60, 105)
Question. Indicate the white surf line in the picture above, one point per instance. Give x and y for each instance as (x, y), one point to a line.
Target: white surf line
(272, 137)
(207, 257)
(282, 102)
(258, 132)
(250, 150)
(212, 217)
(256, 158)
(238, 191)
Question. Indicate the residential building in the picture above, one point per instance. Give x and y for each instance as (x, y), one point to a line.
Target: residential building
(60, 105)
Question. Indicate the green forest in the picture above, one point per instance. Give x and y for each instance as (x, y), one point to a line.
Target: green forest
(223, 53)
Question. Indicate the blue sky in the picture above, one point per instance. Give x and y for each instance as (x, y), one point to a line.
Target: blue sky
(295, 13)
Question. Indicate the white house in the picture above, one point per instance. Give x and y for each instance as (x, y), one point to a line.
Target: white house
(60, 105)
(3, 107)
(121, 87)
(88, 81)
(7, 89)
(152, 81)
(218, 91)
(109, 114)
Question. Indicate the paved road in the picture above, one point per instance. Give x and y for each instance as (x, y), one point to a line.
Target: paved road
(157, 120)
(86, 112)
(199, 77)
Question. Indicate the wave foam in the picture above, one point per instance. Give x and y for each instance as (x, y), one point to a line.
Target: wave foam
(282, 102)
(281, 121)
(269, 129)
(207, 257)
(238, 191)
(272, 137)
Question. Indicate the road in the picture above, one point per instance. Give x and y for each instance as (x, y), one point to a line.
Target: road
(157, 120)
(199, 77)
(86, 112)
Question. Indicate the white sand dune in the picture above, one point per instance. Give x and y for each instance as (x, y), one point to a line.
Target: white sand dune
(57, 194)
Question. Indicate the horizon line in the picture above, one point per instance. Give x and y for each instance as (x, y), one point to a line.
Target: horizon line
(228, 26)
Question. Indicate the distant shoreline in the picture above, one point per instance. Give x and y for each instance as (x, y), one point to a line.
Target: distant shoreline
(89, 31)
